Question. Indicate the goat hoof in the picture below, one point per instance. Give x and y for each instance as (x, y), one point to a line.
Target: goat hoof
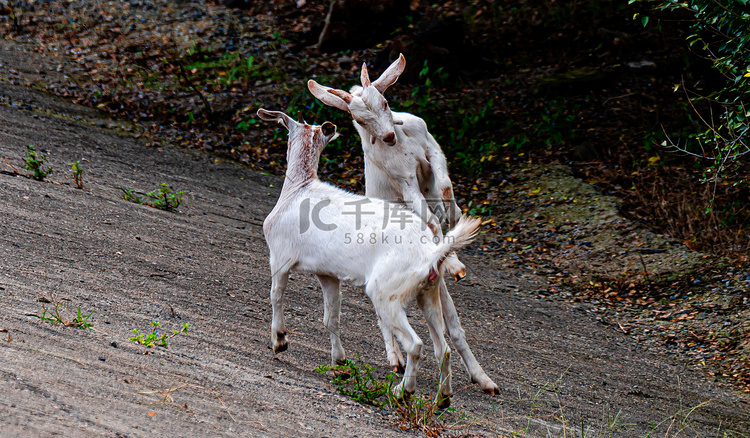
(491, 390)
(398, 369)
(281, 344)
(460, 275)
(444, 402)
(399, 393)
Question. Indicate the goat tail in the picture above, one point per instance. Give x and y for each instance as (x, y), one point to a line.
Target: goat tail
(461, 235)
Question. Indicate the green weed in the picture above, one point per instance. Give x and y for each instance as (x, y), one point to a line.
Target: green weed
(57, 316)
(130, 196)
(163, 198)
(152, 339)
(479, 209)
(77, 170)
(355, 380)
(35, 162)
(422, 413)
(16, 13)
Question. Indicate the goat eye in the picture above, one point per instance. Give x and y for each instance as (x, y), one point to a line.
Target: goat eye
(361, 123)
(385, 105)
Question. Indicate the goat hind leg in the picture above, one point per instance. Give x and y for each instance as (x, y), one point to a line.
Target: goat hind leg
(392, 350)
(399, 325)
(278, 328)
(458, 337)
(454, 267)
(331, 314)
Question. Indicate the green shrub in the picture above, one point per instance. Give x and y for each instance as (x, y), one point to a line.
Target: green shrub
(35, 162)
(722, 34)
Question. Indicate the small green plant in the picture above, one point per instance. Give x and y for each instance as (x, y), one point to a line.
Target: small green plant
(35, 162)
(57, 316)
(480, 209)
(130, 196)
(422, 94)
(355, 380)
(77, 170)
(152, 339)
(163, 198)
(16, 13)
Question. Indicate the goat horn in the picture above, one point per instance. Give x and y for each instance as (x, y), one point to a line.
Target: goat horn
(365, 77)
(342, 94)
(390, 75)
(300, 119)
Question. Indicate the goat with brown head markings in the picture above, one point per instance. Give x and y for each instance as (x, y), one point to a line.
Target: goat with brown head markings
(404, 163)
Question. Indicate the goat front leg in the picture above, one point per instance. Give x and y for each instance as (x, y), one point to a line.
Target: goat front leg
(458, 337)
(278, 329)
(414, 199)
(449, 207)
(452, 212)
(331, 314)
(434, 200)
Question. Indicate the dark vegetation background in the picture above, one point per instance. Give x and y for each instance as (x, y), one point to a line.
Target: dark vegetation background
(501, 84)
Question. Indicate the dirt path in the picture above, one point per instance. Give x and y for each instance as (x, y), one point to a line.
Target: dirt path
(207, 265)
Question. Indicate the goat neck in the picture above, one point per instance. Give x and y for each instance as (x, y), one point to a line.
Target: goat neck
(303, 153)
(304, 146)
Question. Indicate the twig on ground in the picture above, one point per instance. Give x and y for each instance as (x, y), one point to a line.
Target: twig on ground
(168, 397)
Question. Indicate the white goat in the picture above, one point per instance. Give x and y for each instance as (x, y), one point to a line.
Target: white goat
(404, 163)
(339, 236)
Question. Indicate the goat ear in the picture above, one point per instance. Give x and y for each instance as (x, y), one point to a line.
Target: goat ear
(364, 77)
(390, 75)
(276, 116)
(328, 128)
(329, 96)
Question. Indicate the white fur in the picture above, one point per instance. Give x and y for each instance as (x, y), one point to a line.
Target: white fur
(404, 163)
(396, 261)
